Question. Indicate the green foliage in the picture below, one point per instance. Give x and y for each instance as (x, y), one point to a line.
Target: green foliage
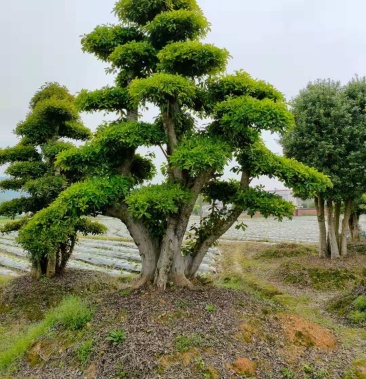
(251, 199)
(12, 184)
(39, 126)
(137, 58)
(257, 200)
(175, 26)
(50, 91)
(27, 170)
(116, 337)
(104, 39)
(51, 149)
(192, 59)
(111, 99)
(46, 187)
(157, 199)
(14, 225)
(305, 180)
(52, 226)
(130, 134)
(113, 143)
(87, 226)
(143, 11)
(18, 206)
(238, 85)
(236, 115)
(19, 153)
(142, 169)
(198, 153)
(160, 88)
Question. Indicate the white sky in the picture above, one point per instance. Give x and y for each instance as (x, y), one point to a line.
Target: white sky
(285, 42)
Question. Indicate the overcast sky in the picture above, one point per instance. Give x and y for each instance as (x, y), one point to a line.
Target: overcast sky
(285, 42)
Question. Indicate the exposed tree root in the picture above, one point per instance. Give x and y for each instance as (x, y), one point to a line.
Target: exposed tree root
(182, 281)
(140, 283)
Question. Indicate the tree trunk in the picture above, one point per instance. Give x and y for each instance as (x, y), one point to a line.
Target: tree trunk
(345, 226)
(65, 254)
(200, 204)
(36, 271)
(319, 204)
(354, 226)
(337, 217)
(334, 250)
(169, 248)
(148, 245)
(51, 266)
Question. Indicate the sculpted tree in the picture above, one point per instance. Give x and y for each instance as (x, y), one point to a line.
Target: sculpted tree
(330, 135)
(157, 58)
(32, 169)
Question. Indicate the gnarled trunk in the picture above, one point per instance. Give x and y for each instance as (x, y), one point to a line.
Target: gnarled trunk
(319, 204)
(169, 247)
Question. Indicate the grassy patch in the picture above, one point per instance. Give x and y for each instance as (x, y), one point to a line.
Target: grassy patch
(318, 278)
(351, 306)
(73, 313)
(287, 250)
(4, 279)
(250, 283)
(184, 343)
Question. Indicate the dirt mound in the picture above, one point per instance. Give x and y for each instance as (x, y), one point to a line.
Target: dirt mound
(305, 333)
(212, 333)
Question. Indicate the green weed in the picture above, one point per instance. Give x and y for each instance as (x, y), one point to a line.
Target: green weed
(84, 352)
(116, 337)
(210, 308)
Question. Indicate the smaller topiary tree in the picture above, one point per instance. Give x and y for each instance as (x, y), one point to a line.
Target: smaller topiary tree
(32, 171)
